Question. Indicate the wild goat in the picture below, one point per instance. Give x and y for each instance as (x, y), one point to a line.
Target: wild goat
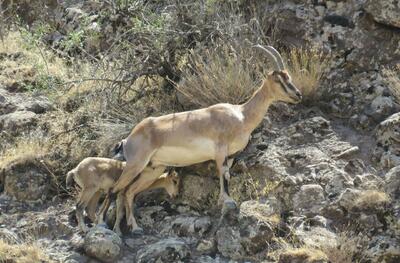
(96, 176)
(213, 133)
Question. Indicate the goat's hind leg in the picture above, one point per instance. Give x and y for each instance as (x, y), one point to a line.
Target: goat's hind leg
(92, 206)
(84, 198)
(223, 165)
(136, 162)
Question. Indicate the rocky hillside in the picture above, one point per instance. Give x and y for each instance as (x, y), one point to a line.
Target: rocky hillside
(318, 182)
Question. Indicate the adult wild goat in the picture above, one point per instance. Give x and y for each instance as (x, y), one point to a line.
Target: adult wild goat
(212, 133)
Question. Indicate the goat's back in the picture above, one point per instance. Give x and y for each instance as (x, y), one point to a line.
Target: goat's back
(98, 171)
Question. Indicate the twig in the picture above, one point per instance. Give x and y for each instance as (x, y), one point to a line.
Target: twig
(67, 131)
(54, 177)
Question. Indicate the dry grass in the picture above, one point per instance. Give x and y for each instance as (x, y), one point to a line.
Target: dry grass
(371, 200)
(33, 66)
(219, 75)
(392, 79)
(251, 187)
(24, 149)
(348, 250)
(32, 60)
(307, 67)
(224, 75)
(22, 253)
(304, 254)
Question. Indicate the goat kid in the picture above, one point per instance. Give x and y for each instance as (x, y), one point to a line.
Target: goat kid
(95, 176)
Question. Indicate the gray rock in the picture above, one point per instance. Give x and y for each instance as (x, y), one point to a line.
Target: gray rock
(316, 237)
(392, 182)
(206, 246)
(319, 221)
(381, 107)
(338, 182)
(200, 192)
(348, 197)
(384, 11)
(26, 180)
(102, 244)
(186, 225)
(383, 248)
(165, 250)
(250, 234)
(309, 199)
(228, 243)
(9, 236)
(6, 106)
(388, 142)
(13, 102)
(148, 216)
(17, 121)
(38, 105)
(392, 187)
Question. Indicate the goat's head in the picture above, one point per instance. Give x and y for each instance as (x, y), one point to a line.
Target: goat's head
(118, 151)
(173, 181)
(279, 81)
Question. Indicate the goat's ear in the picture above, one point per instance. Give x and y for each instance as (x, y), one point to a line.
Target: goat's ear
(117, 147)
(230, 162)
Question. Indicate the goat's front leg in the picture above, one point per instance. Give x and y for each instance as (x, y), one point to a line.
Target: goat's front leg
(146, 179)
(103, 210)
(224, 177)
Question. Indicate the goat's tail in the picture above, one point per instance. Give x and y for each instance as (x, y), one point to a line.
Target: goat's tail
(69, 181)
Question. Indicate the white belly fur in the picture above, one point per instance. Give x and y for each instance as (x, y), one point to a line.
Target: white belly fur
(196, 151)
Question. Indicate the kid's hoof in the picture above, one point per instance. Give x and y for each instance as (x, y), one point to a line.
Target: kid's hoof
(119, 233)
(83, 230)
(137, 231)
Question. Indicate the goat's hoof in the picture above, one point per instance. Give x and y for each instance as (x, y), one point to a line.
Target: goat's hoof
(83, 230)
(137, 231)
(230, 204)
(102, 225)
(119, 233)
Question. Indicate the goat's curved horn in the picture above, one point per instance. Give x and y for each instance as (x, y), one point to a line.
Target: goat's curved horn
(277, 55)
(274, 55)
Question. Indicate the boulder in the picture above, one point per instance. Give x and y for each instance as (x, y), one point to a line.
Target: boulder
(186, 225)
(315, 236)
(199, 192)
(347, 198)
(382, 248)
(18, 121)
(303, 255)
(102, 244)
(12, 102)
(309, 199)
(165, 250)
(387, 151)
(9, 236)
(26, 180)
(392, 183)
(254, 229)
(384, 11)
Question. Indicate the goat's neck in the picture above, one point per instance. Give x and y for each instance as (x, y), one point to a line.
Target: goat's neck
(256, 107)
(157, 184)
